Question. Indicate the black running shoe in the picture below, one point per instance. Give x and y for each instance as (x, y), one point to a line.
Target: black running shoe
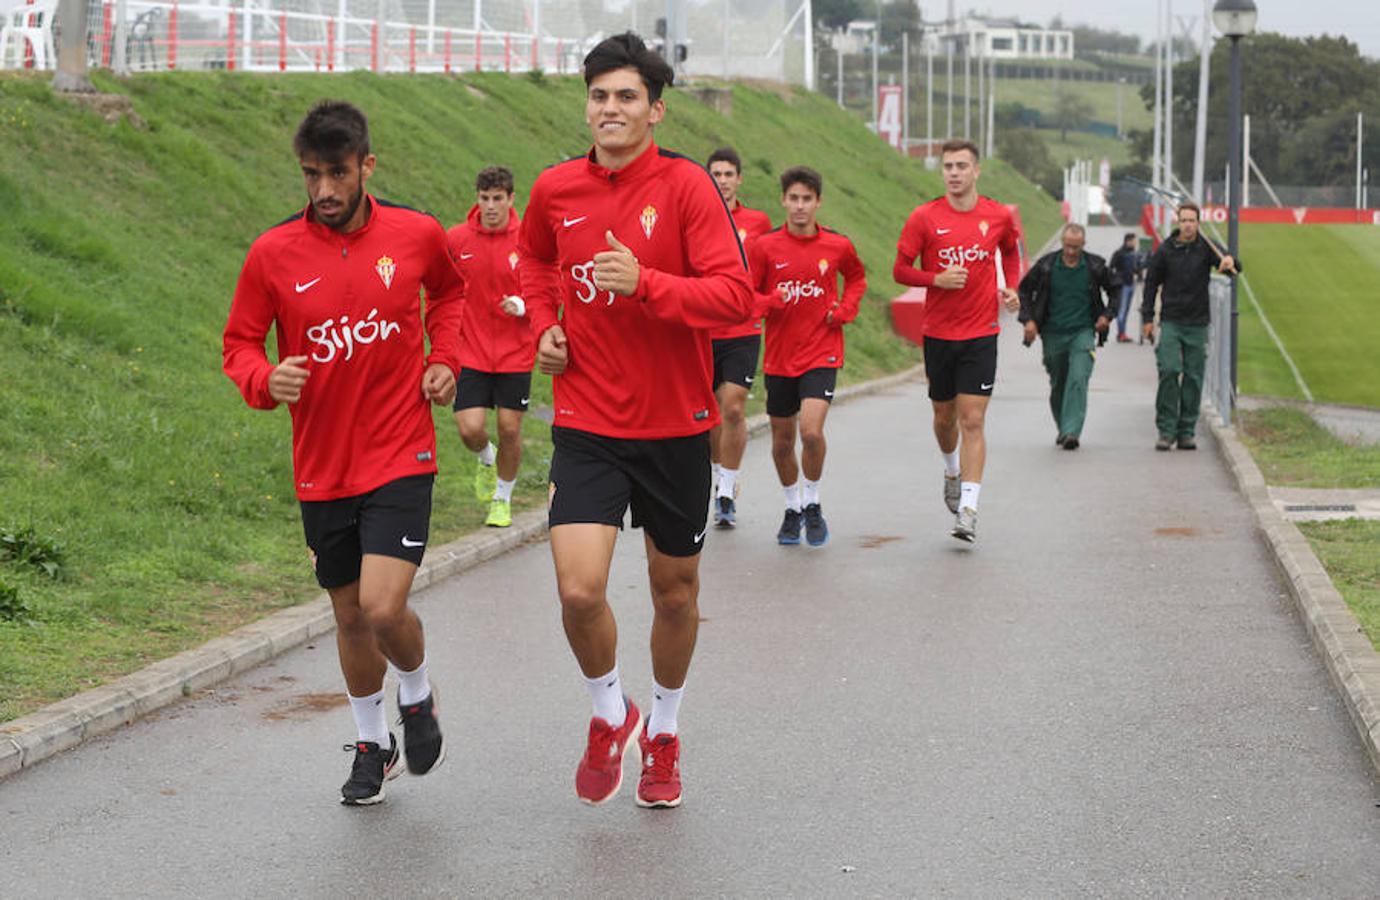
(422, 741)
(372, 767)
(790, 528)
(816, 529)
(725, 512)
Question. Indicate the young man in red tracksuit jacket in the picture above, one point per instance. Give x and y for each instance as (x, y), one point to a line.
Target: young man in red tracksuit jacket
(796, 271)
(956, 239)
(637, 247)
(736, 350)
(340, 283)
(496, 344)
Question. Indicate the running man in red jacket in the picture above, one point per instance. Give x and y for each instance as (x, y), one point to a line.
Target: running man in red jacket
(956, 238)
(796, 271)
(496, 344)
(637, 247)
(736, 350)
(340, 283)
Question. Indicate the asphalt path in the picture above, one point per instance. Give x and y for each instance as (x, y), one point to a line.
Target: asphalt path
(1108, 695)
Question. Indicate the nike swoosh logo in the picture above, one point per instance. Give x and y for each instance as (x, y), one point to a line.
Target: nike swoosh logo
(408, 542)
(300, 287)
(699, 537)
(467, 256)
(988, 387)
(828, 393)
(575, 221)
(782, 265)
(748, 379)
(524, 400)
(942, 230)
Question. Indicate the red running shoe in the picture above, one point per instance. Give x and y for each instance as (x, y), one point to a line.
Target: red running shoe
(660, 784)
(600, 773)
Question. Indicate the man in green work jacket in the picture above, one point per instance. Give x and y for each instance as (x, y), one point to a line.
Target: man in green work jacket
(1062, 303)
(1183, 266)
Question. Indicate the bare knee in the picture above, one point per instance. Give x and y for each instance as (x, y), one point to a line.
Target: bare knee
(382, 618)
(782, 450)
(473, 433)
(509, 433)
(674, 593)
(582, 599)
(733, 417)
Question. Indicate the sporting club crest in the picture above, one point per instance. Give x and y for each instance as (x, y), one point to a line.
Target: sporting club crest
(983, 226)
(512, 260)
(386, 269)
(648, 219)
(823, 266)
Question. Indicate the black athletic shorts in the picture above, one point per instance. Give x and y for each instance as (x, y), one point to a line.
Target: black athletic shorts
(960, 367)
(596, 478)
(391, 520)
(735, 360)
(510, 390)
(784, 394)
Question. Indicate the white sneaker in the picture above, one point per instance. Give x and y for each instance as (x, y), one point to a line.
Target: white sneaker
(951, 492)
(965, 525)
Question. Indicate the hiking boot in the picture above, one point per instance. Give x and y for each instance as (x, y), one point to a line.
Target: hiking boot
(371, 768)
(1164, 443)
(952, 491)
(422, 740)
(790, 528)
(1187, 443)
(600, 773)
(500, 514)
(659, 786)
(965, 525)
(816, 529)
(725, 512)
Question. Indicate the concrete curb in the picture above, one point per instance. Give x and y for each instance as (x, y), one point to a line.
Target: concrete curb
(1351, 661)
(30, 739)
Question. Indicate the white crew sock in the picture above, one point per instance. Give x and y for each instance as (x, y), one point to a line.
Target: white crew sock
(810, 494)
(715, 474)
(665, 708)
(793, 496)
(488, 454)
(950, 462)
(370, 721)
(728, 479)
(504, 491)
(413, 686)
(606, 693)
(968, 494)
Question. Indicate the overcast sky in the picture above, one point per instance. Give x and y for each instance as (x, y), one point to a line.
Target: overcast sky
(1359, 20)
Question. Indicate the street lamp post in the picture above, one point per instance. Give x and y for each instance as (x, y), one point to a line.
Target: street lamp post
(1234, 19)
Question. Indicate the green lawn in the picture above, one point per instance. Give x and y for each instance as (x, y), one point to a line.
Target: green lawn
(1101, 97)
(119, 436)
(1348, 550)
(1292, 450)
(1318, 287)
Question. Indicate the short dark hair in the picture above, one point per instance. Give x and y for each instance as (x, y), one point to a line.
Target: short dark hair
(1189, 204)
(1130, 236)
(802, 175)
(331, 131)
(953, 145)
(494, 178)
(628, 51)
(728, 155)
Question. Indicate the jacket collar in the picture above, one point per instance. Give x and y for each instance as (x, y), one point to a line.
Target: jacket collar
(640, 166)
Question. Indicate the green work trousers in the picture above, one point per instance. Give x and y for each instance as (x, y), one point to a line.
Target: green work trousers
(1181, 355)
(1068, 358)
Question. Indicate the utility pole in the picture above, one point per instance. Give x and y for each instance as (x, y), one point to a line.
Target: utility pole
(905, 92)
(929, 94)
(1169, 95)
(1200, 124)
(1156, 157)
(71, 77)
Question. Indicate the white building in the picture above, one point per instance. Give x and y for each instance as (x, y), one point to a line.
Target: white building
(1001, 39)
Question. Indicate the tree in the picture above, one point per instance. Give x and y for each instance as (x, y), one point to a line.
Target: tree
(1024, 150)
(1070, 111)
(836, 13)
(899, 17)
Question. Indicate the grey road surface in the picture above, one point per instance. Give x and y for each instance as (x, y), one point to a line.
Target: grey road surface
(1109, 695)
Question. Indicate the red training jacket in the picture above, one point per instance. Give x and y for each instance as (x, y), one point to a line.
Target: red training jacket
(351, 303)
(797, 280)
(941, 236)
(639, 366)
(492, 340)
(751, 223)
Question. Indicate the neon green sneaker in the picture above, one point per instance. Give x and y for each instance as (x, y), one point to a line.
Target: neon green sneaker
(485, 481)
(500, 514)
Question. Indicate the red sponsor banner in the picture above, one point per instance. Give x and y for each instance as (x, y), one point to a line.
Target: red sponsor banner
(1276, 215)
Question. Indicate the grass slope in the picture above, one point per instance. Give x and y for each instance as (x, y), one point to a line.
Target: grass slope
(119, 436)
(1316, 284)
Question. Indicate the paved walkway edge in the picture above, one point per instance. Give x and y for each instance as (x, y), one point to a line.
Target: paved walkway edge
(1351, 661)
(30, 739)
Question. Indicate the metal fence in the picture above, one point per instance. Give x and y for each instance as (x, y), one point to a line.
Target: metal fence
(1217, 374)
(741, 39)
